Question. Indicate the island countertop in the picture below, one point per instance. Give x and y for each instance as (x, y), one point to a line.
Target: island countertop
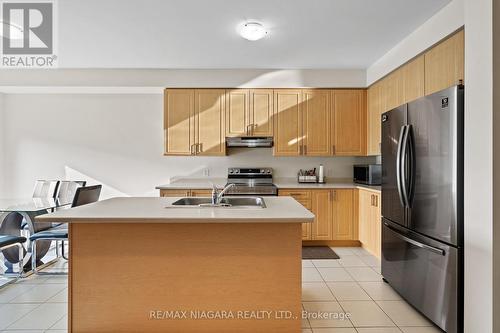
(160, 210)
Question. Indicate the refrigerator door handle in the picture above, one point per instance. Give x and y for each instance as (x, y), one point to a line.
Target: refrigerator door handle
(399, 179)
(411, 166)
(404, 165)
(416, 243)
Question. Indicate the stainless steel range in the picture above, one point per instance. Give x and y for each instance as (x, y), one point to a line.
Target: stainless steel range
(251, 181)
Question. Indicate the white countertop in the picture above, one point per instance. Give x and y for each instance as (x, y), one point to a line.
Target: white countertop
(160, 210)
(202, 183)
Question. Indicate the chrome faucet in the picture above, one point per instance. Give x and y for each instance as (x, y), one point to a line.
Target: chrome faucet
(217, 195)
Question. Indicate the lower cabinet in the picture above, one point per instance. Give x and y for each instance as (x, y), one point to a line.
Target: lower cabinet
(335, 211)
(186, 193)
(345, 214)
(322, 207)
(370, 228)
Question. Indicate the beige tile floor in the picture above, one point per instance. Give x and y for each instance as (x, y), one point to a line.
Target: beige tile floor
(350, 285)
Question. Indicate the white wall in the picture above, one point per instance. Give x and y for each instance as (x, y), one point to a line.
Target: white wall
(1, 144)
(479, 283)
(117, 140)
(62, 79)
(446, 21)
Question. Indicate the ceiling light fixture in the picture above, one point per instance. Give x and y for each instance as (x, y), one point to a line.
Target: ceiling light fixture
(253, 31)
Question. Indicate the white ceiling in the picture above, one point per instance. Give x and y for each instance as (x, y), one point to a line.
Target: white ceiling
(202, 33)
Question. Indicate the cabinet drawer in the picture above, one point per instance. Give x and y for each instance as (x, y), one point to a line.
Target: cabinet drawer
(299, 195)
(201, 193)
(174, 193)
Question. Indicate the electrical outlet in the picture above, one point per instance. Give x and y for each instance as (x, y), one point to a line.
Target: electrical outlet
(206, 172)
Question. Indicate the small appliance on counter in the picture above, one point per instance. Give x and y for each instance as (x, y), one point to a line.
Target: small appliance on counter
(310, 176)
(367, 174)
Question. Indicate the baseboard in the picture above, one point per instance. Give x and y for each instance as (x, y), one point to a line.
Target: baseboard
(339, 243)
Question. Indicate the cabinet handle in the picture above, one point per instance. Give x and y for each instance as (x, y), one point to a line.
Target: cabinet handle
(300, 149)
(376, 200)
(248, 130)
(333, 149)
(371, 198)
(305, 149)
(192, 147)
(200, 146)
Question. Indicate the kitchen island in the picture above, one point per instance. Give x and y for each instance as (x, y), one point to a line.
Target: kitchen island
(143, 265)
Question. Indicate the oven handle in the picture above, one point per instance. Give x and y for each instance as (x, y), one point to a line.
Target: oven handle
(414, 242)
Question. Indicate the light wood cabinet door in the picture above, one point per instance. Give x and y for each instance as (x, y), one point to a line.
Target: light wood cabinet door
(261, 112)
(316, 122)
(349, 122)
(374, 113)
(288, 122)
(393, 90)
(376, 226)
(344, 227)
(322, 208)
(414, 79)
(179, 122)
(444, 64)
(365, 217)
(209, 121)
(174, 193)
(370, 223)
(237, 112)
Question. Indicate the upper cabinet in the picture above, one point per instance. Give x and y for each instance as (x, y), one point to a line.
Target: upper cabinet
(349, 122)
(444, 64)
(237, 112)
(261, 112)
(316, 122)
(249, 112)
(194, 122)
(414, 79)
(209, 110)
(178, 122)
(288, 122)
(373, 119)
(440, 67)
(393, 90)
(320, 122)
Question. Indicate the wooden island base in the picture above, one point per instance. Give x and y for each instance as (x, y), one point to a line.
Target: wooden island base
(131, 277)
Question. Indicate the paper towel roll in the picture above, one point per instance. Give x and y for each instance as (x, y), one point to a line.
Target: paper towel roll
(321, 175)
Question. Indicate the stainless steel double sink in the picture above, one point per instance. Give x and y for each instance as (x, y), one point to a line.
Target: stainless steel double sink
(226, 202)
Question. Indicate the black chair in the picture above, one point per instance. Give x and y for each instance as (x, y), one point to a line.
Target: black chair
(8, 241)
(83, 196)
(67, 190)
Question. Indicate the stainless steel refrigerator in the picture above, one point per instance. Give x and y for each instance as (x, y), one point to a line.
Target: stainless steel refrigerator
(422, 205)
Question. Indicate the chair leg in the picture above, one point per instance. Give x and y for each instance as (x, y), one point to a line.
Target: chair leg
(63, 252)
(21, 257)
(33, 256)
